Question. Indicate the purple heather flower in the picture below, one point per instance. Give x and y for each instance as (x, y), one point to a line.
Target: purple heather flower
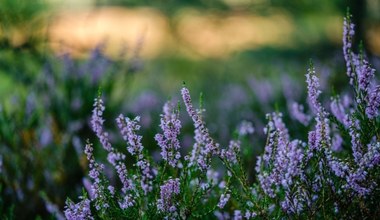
(232, 152)
(168, 191)
(205, 145)
(281, 155)
(338, 167)
(245, 128)
(355, 182)
(128, 129)
(168, 141)
(320, 137)
(365, 74)
(53, 209)
(338, 110)
(97, 124)
(355, 139)
(237, 215)
(293, 203)
(372, 109)
(114, 157)
(249, 215)
(313, 90)
(223, 200)
(222, 215)
(372, 157)
(123, 176)
(348, 35)
(88, 186)
(95, 170)
(46, 136)
(212, 177)
(263, 90)
(126, 202)
(337, 142)
(296, 111)
(79, 211)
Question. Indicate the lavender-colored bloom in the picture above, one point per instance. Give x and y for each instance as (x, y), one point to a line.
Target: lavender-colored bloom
(206, 145)
(338, 110)
(222, 215)
(263, 90)
(293, 202)
(320, 137)
(245, 128)
(232, 152)
(128, 129)
(348, 35)
(223, 200)
(296, 111)
(249, 215)
(365, 74)
(338, 167)
(355, 139)
(97, 188)
(166, 202)
(123, 176)
(53, 209)
(168, 141)
(355, 182)
(114, 157)
(282, 156)
(126, 202)
(97, 124)
(372, 157)
(79, 211)
(88, 186)
(212, 177)
(357, 179)
(372, 109)
(313, 90)
(337, 142)
(237, 215)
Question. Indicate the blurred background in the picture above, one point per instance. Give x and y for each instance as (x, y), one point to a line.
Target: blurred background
(247, 58)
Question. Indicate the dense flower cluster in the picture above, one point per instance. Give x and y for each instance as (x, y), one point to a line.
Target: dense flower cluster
(168, 141)
(167, 193)
(79, 211)
(128, 129)
(331, 172)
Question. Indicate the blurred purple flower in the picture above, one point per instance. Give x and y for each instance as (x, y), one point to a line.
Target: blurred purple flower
(245, 128)
(296, 111)
(223, 200)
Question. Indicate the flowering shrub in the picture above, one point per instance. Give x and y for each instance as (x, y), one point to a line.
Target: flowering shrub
(45, 124)
(331, 173)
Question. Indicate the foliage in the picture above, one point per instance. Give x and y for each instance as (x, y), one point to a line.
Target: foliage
(330, 172)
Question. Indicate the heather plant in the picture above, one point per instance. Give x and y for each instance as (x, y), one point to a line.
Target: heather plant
(46, 123)
(332, 172)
